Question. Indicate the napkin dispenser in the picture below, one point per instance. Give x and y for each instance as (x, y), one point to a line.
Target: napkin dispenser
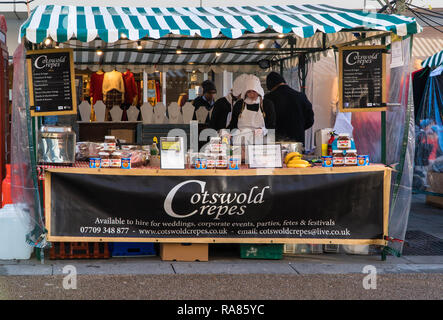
(56, 145)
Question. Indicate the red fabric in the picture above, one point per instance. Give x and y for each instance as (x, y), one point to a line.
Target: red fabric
(130, 87)
(139, 93)
(96, 88)
(157, 90)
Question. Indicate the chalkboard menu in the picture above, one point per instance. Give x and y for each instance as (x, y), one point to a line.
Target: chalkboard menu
(51, 82)
(362, 78)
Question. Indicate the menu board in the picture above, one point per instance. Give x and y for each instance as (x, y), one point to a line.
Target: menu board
(362, 78)
(51, 82)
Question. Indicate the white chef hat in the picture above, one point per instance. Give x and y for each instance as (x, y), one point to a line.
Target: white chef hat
(237, 86)
(252, 82)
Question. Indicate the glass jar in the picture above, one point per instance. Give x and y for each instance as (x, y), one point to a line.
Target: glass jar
(338, 158)
(344, 141)
(110, 144)
(105, 159)
(116, 160)
(351, 158)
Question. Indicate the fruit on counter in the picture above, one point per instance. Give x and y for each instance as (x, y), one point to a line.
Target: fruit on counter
(292, 155)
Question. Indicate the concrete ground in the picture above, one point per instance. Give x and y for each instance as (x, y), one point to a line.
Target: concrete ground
(223, 287)
(224, 259)
(226, 276)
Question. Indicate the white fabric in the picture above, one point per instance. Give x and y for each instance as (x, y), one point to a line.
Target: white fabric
(252, 82)
(247, 124)
(238, 83)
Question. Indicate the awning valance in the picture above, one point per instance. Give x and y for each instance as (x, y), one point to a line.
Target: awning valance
(86, 24)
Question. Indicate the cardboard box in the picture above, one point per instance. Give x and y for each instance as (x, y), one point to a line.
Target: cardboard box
(435, 201)
(123, 134)
(184, 251)
(435, 182)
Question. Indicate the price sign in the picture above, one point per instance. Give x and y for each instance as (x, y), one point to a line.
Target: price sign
(51, 81)
(362, 78)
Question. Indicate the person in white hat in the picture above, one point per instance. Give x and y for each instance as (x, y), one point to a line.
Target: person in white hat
(252, 115)
(222, 112)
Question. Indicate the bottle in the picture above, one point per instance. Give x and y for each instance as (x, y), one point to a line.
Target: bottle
(154, 149)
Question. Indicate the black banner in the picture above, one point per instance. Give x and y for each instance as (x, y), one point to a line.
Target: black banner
(361, 76)
(323, 206)
(51, 81)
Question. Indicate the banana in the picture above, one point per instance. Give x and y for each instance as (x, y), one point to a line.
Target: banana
(291, 155)
(298, 161)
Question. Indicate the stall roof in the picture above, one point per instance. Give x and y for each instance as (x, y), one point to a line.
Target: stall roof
(434, 60)
(209, 36)
(62, 23)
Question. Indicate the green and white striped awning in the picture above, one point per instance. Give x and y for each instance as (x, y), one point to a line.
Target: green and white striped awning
(86, 24)
(434, 61)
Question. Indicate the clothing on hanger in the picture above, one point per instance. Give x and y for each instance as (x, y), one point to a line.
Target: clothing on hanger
(113, 80)
(96, 86)
(112, 98)
(419, 79)
(130, 87)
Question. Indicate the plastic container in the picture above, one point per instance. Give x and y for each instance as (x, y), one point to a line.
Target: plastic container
(123, 249)
(6, 187)
(361, 249)
(261, 251)
(14, 225)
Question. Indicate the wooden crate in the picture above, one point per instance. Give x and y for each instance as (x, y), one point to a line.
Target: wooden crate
(79, 250)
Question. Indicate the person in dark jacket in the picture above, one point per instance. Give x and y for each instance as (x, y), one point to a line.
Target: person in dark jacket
(222, 111)
(252, 115)
(293, 110)
(206, 100)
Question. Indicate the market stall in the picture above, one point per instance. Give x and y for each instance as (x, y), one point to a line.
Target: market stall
(428, 95)
(342, 203)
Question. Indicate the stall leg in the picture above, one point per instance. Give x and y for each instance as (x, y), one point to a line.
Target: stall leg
(388, 250)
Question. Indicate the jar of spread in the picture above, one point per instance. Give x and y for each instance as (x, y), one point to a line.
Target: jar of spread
(351, 158)
(222, 162)
(211, 162)
(338, 158)
(105, 159)
(116, 160)
(110, 144)
(344, 141)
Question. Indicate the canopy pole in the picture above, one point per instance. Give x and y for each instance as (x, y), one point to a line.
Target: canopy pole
(145, 86)
(383, 125)
(164, 87)
(302, 68)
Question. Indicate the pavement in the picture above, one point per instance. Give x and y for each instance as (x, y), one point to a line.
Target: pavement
(225, 260)
(222, 287)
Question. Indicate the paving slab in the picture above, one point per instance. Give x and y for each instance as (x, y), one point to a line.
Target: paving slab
(26, 270)
(232, 268)
(128, 268)
(11, 262)
(323, 268)
(424, 259)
